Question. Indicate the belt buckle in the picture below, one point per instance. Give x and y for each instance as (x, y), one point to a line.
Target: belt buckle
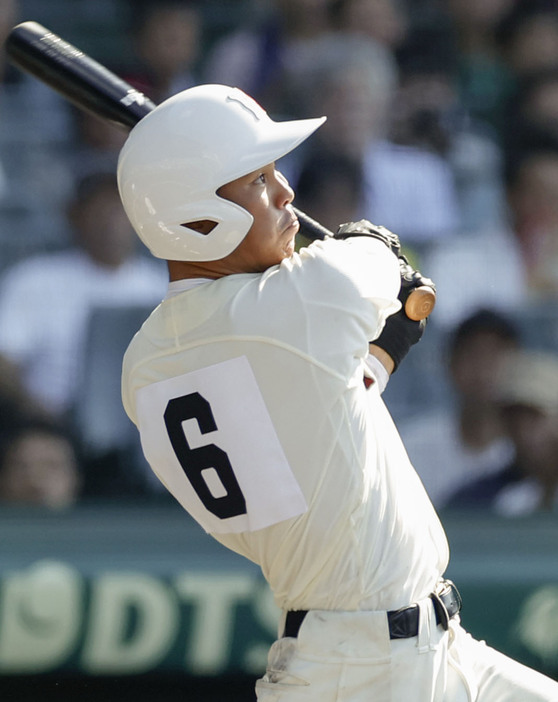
(446, 592)
(450, 594)
(441, 612)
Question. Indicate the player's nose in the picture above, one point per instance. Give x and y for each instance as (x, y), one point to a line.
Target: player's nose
(285, 194)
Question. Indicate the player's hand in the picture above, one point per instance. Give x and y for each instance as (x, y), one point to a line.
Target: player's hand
(411, 279)
(401, 333)
(366, 228)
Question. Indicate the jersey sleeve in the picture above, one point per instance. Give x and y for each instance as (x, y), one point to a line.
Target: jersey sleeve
(376, 371)
(334, 297)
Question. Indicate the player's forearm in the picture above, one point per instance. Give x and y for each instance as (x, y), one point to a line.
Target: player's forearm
(382, 356)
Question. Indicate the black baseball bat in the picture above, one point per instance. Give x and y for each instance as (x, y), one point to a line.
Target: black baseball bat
(93, 88)
(76, 76)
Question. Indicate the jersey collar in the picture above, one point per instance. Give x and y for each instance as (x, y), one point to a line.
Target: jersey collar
(178, 286)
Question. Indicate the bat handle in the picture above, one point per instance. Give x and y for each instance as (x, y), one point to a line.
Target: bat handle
(420, 303)
(309, 227)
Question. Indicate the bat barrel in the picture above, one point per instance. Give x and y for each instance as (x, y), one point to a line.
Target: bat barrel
(78, 77)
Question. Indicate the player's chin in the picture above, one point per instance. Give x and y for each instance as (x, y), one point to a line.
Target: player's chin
(285, 242)
(289, 246)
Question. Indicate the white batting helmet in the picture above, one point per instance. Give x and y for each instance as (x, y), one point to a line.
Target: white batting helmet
(181, 153)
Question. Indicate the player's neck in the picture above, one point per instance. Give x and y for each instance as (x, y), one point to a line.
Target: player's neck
(179, 270)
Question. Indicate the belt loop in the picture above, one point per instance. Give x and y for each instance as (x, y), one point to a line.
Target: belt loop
(424, 626)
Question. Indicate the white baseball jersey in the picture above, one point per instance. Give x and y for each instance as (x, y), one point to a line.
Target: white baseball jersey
(249, 397)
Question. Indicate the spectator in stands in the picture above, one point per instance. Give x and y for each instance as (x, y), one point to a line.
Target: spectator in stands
(257, 57)
(485, 79)
(9, 11)
(406, 188)
(95, 144)
(39, 465)
(384, 21)
(516, 265)
(330, 189)
(15, 402)
(33, 118)
(167, 37)
(484, 267)
(527, 391)
(534, 119)
(452, 446)
(533, 199)
(45, 300)
(527, 40)
(527, 37)
(427, 113)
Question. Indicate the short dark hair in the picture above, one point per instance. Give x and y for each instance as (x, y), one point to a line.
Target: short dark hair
(92, 183)
(483, 320)
(142, 11)
(36, 424)
(320, 167)
(511, 25)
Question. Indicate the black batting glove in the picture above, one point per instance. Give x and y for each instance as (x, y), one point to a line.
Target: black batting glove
(366, 228)
(411, 279)
(401, 333)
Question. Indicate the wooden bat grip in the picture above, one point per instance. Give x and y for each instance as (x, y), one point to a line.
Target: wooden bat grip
(420, 303)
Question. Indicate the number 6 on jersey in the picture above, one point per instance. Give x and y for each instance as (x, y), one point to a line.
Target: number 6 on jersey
(208, 459)
(210, 439)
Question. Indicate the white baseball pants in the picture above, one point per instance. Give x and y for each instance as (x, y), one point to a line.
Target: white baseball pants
(349, 657)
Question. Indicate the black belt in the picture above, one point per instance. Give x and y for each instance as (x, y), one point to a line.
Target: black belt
(403, 623)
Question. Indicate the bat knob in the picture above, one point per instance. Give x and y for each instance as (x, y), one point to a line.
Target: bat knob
(420, 303)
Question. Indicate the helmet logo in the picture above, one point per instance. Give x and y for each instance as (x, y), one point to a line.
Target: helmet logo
(247, 104)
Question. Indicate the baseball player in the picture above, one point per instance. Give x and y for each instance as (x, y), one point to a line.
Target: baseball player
(246, 385)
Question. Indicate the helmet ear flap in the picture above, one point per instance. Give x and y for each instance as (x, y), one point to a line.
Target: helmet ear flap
(218, 228)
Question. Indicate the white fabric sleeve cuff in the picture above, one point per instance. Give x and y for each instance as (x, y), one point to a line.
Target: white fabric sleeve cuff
(377, 371)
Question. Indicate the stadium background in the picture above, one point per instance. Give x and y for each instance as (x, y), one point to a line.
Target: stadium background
(126, 596)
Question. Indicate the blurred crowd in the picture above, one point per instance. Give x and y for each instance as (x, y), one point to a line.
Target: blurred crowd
(442, 126)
